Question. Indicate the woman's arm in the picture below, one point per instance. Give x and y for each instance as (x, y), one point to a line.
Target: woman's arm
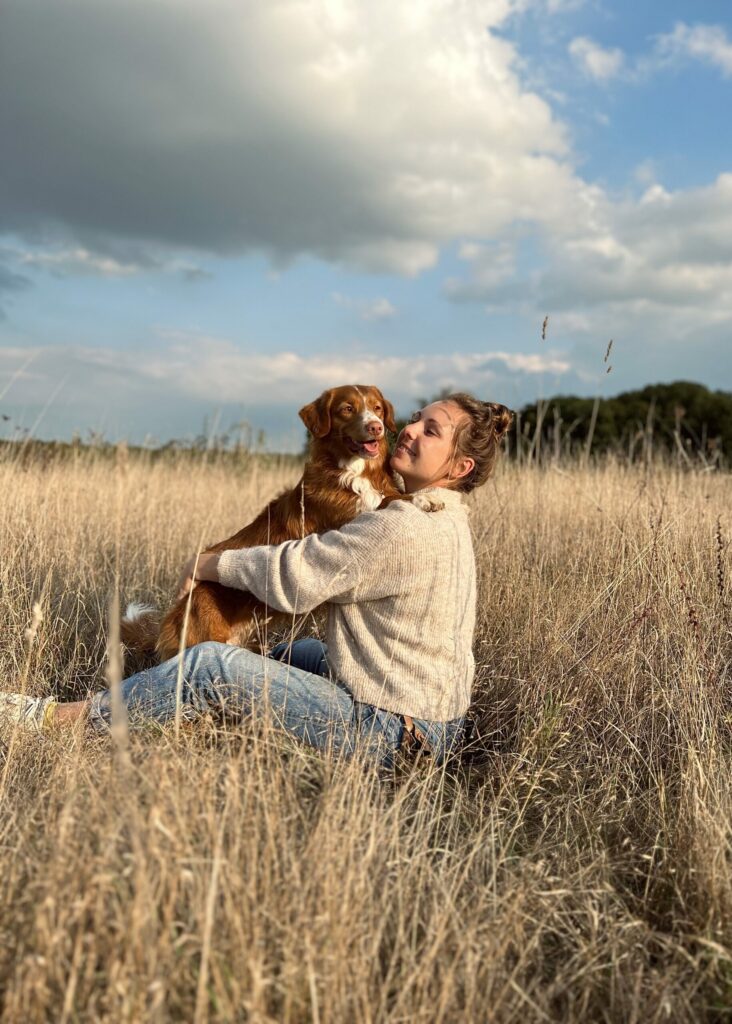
(299, 575)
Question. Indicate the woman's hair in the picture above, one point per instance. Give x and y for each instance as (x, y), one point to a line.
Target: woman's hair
(479, 437)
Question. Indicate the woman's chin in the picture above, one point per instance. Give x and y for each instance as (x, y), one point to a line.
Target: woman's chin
(402, 472)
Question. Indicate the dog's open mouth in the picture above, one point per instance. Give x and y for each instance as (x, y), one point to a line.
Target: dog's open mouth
(366, 449)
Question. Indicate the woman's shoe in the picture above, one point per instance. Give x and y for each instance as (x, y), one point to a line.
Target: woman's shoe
(31, 714)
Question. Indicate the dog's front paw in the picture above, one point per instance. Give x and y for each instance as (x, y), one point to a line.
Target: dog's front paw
(428, 502)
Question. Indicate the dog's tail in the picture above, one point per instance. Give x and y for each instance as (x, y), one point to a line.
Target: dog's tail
(139, 630)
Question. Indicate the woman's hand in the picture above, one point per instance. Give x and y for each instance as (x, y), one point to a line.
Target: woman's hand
(186, 581)
(200, 567)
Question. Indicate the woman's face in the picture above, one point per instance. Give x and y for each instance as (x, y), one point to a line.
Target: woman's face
(424, 455)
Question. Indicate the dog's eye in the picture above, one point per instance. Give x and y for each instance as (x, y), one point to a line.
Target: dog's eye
(346, 408)
(377, 408)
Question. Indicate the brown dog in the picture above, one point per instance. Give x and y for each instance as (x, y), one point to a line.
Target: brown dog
(346, 473)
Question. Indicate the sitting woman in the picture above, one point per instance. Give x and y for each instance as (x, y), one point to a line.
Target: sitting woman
(399, 584)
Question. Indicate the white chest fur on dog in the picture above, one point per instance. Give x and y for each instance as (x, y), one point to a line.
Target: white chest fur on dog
(351, 478)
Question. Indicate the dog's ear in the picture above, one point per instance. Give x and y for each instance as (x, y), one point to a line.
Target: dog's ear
(316, 415)
(389, 421)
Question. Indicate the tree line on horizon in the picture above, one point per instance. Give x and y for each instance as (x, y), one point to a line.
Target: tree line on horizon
(681, 418)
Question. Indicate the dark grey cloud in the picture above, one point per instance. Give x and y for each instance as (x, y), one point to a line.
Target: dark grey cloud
(122, 121)
(285, 128)
(10, 281)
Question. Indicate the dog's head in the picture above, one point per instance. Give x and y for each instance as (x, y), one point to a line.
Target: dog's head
(354, 418)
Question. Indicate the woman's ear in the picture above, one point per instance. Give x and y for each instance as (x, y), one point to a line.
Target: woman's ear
(461, 468)
(316, 415)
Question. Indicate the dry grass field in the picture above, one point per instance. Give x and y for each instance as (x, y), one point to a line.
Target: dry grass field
(574, 864)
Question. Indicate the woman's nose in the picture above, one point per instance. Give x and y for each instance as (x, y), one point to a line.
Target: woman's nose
(409, 431)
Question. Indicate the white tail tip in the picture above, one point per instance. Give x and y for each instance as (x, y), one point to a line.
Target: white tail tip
(135, 611)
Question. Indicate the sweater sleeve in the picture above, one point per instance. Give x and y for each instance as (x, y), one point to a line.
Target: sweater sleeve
(299, 575)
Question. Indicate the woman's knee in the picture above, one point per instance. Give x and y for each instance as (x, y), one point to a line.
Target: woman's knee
(307, 654)
(211, 652)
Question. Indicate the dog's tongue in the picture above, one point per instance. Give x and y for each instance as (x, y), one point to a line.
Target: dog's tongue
(372, 447)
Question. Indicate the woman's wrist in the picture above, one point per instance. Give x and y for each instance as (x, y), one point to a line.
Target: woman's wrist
(207, 567)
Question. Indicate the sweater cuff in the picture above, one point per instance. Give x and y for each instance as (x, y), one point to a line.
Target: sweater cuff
(232, 568)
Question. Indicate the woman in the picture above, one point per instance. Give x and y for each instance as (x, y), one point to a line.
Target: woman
(399, 583)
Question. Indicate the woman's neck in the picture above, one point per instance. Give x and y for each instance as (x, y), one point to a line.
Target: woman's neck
(423, 486)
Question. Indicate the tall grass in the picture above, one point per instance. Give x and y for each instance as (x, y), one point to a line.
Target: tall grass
(574, 864)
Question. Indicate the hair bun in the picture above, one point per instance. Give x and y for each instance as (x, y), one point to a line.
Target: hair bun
(501, 418)
(479, 436)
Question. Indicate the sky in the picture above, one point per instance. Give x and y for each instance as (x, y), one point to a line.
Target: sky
(212, 210)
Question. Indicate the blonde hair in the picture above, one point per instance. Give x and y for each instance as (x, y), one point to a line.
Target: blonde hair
(478, 437)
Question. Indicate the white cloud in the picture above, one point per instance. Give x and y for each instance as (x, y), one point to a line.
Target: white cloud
(366, 309)
(563, 6)
(654, 273)
(64, 261)
(707, 43)
(596, 61)
(211, 368)
(670, 249)
(164, 387)
(492, 269)
(536, 363)
(553, 7)
(76, 261)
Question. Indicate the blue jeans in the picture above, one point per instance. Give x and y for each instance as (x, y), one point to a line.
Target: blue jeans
(294, 684)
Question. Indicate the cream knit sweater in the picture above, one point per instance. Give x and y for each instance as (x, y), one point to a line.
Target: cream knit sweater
(400, 588)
